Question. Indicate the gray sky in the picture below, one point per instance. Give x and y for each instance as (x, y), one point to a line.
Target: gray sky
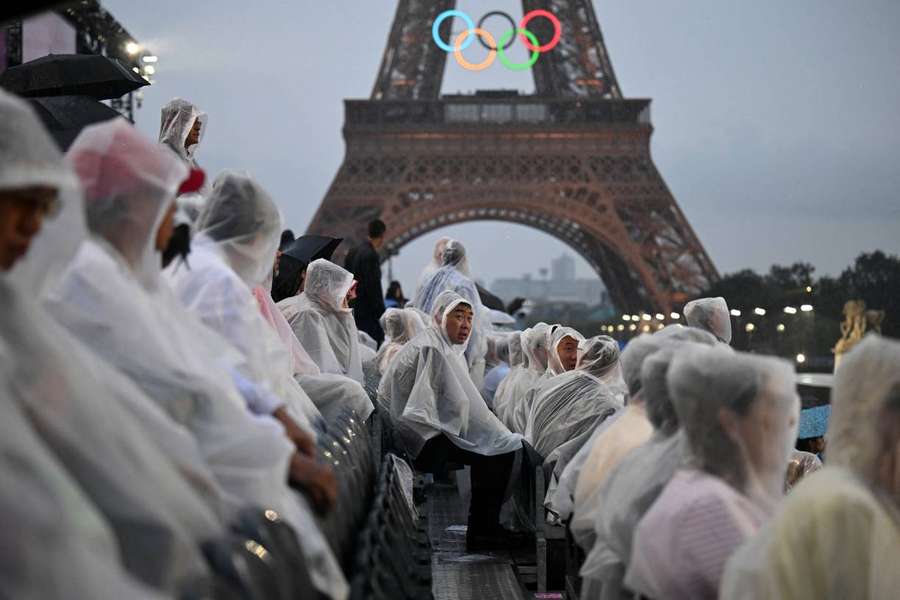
(776, 121)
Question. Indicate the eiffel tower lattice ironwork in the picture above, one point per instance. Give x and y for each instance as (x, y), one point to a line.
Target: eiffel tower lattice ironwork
(572, 160)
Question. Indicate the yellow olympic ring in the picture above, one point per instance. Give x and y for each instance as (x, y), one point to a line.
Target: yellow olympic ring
(487, 37)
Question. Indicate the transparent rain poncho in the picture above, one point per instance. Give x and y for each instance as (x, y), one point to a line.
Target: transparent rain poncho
(124, 311)
(59, 400)
(428, 392)
(323, 322)
(633, 486)
(436, 262)
(536, 346)
(710, 314)
(739, 414)
(837, 534)
(554, 362)
(177, 120)
(518, 365)
(567, 405)
(630, 430)
(399, 325)
(232, 253)
(454, 275)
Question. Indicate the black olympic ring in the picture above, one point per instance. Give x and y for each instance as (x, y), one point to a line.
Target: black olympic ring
(497, 13)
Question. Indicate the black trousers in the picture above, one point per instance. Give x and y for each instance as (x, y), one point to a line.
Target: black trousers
(490, 475)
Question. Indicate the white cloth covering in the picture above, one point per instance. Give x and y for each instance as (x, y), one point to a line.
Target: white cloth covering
(710, 314)
(536, 346)
(125, 312)
(428, 392)
(323, 323)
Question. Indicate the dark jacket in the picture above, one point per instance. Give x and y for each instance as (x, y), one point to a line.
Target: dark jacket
(365, 264)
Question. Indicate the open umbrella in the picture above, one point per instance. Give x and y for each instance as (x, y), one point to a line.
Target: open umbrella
(308, 248)
(65, 116)
(99, 77)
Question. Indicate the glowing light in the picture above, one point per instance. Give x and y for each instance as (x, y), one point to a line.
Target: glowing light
(136, 70)
(632, 327)
(809, 289)
(660, 326)
(646, 317)
(621, 328)
(750, 327)
(759, 311)
(645, 328)
(780, 327)
(626, 317)
(801, 358)
(806, 307)
(660, 316)
(132, 48)
(790, 310)
(735, 312)
(675, 316)
(149, 69)
(150, 59)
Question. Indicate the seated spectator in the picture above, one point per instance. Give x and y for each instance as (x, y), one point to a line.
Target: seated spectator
(400, 326)
(393, 297)
(739, 414)
(438, 415)
(710, 314)
(837, 534)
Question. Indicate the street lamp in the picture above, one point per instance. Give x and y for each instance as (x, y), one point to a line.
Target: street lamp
(759, 311)
(735, 312)
(660, 317)
(750, 327)
(790, 310)
(132, 48)
(780, 327)
(806, 307)
(675, 316)
(801, 358)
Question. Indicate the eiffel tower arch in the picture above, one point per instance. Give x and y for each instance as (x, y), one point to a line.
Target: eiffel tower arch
(572, 160)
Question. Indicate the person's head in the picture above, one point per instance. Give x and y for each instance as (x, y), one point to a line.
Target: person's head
(41, 212)
(710, 314)
(395, 292)
(535, 344)
(598, 355)
(377, 230)
(864, 430)
(182, 127)
(453, 316)
(287, 238)
(401, 324)
(129, 186)
(740, 414)
(655, 391)
(516, 352)
(328, 285)
(437, 255)
(563, 350)
(454, 255)
(633, 357)
(243, 220)
(22, 213)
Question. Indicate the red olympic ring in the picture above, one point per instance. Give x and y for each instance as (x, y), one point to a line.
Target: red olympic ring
(557, 30)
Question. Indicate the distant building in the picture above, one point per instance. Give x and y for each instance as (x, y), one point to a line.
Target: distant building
(561, 286)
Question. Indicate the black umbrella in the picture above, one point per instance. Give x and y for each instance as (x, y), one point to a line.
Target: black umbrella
(490, 300)
(308, 248)
(99, 77)
(65, 116)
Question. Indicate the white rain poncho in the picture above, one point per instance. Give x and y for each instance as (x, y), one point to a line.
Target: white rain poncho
(399, 325)
(631, 429)
(56, 400)
(567, 405)
(177, 120)
(637, 481)
(710, 314)
(323, 322)
(436, 262)
(739, 414)
(518, 364)
(55, 544)
(837, 534)
(454, 275)
(233, 252)
(559, 335)
(115, 301)
(428, 392)
(536, 345)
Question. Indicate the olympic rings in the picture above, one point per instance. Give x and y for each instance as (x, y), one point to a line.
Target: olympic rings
(464, 39)
(457, 50)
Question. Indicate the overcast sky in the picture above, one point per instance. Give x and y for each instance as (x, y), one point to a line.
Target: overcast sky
(776, 121)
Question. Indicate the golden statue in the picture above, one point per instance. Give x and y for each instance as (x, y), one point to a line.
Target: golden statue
(857, 321)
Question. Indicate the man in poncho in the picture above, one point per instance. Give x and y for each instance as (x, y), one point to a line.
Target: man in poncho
(438, 415)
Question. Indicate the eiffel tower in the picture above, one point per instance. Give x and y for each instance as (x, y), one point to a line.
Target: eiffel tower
(572, 160)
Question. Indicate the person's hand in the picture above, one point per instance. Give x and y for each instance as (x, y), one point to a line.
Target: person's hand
(316, 480)
(304, 442)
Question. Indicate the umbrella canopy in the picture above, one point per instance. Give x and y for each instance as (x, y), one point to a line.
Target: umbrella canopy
(99, 77)
(65, 116)
(489, 299)
(308, 248)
